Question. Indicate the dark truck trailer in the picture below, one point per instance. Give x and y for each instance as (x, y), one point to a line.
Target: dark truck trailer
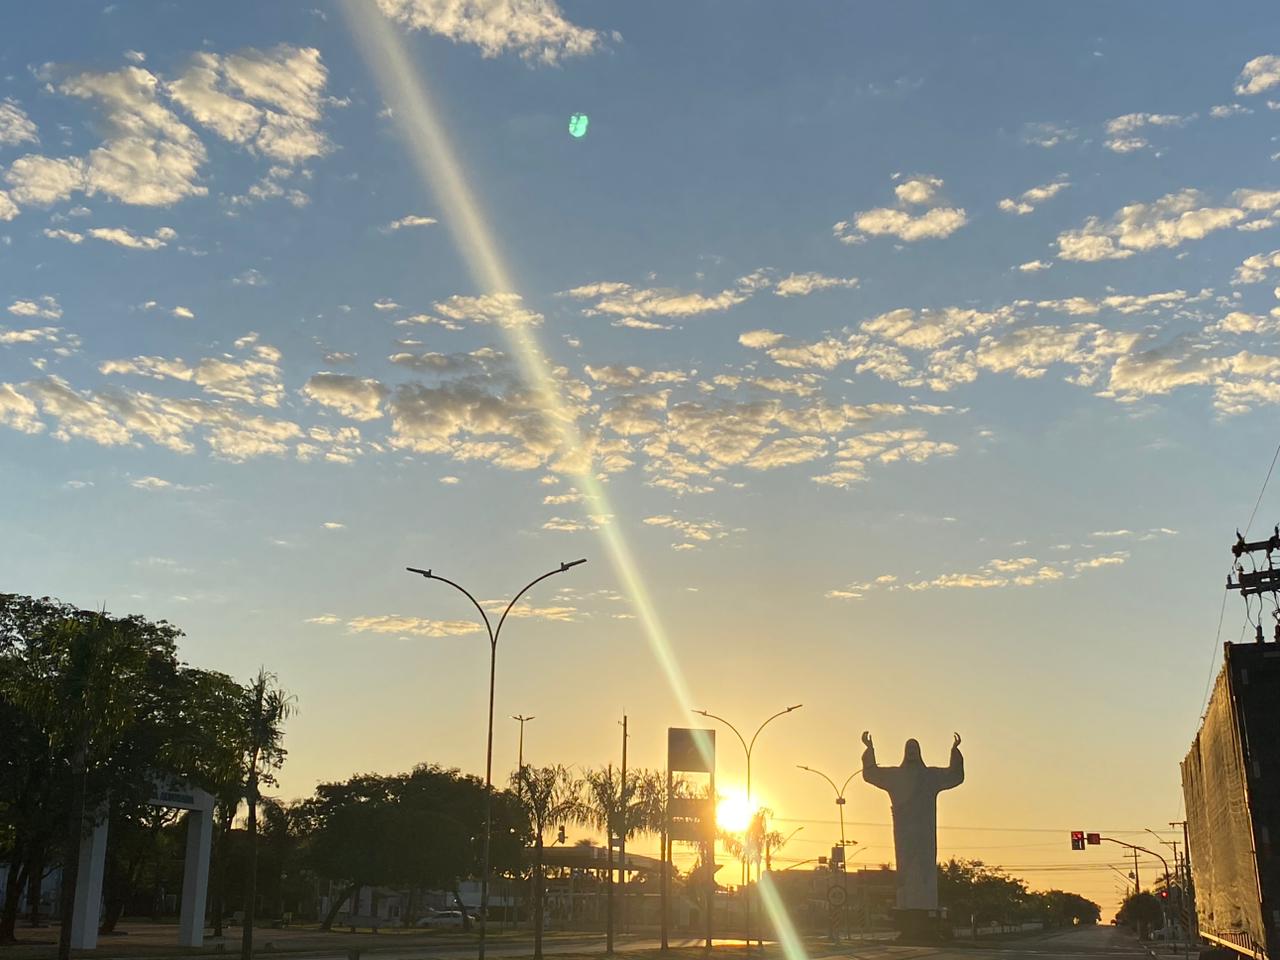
(1231, 782)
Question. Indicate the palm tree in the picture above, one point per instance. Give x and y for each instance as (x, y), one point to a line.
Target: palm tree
(551, 795)
(620, 808)
(267, 707)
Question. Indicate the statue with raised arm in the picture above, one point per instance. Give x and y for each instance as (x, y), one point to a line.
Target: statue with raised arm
(913, 792)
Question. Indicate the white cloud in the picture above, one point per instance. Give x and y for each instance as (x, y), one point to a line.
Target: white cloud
(933, 223)
(410, 626)
(351, 396)
(535, 29)
(15, 126)
(692, 532)
(1123, 131)
(34, 179)
(623, 300)
(8, 209)
(183, 313)
(1164, 223)
(121, 237)
(1254, 269)
(270, 100)
(504, 309)
(412, 220)
(1033, 266)
(1224, 110)
(47, 308)
(1046, 135)
(333, 525)
(1030, 199)
(1259, 74)
(803, 284)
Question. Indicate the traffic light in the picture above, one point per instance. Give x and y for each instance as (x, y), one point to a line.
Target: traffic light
(1164, 894)
(1077, 839)
(837, 857)
(560, 835)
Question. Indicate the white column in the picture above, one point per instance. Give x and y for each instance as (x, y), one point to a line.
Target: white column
(195, 876)
(85, 912)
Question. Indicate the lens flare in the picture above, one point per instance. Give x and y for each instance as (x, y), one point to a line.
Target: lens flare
(792, 945)
(405, 90)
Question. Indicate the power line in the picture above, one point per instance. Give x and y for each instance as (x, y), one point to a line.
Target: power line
(873, 823)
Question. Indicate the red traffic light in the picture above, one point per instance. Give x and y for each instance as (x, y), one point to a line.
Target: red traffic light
(1077, 839)
(1164, 894)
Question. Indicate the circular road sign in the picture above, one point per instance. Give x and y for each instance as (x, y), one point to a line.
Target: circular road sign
(836, 896)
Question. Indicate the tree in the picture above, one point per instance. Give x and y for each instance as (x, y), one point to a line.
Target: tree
(550, 796)
(268, 708)
(1063, 909)
(1143, 912)
(977, 893)
(619, 807)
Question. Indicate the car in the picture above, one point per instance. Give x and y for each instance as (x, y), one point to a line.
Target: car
(444, 919)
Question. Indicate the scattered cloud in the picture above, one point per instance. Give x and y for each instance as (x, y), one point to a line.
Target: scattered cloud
(1163, 224)
(1047, 135)
(803, 284)
(15, 126)
(412, 220)
(613, 298)
(536, 30)
(1259, 74)
(907, 225)
(46, 307)
(1028, 200)
(1123, 132)
(353, 397)
(1034, 266)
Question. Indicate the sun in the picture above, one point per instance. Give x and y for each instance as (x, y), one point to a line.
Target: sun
(733, 812)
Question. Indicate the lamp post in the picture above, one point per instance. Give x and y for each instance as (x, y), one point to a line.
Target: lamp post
(494, 633)
(522, 720)
(844, 883)
(839, 793)
(747, 748)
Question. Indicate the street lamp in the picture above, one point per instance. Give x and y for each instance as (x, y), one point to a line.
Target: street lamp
(839, 793)
(494, 633)
(747, 748)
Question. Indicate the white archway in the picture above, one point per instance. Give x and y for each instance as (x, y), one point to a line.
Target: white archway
(87, 909)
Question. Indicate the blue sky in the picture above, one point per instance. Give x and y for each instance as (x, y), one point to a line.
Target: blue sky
(925, 357)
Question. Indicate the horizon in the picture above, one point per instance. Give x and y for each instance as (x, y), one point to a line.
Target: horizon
(914, 364)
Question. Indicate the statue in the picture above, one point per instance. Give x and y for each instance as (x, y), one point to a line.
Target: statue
(913, 791)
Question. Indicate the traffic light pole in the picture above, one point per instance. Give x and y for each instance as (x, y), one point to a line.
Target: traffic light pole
(1164, 907)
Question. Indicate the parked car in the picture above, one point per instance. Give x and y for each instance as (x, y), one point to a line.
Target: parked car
(445, 919)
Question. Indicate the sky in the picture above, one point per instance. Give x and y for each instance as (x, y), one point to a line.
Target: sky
(912, 362)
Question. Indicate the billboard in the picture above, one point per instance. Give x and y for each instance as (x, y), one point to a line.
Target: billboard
(1228, 784)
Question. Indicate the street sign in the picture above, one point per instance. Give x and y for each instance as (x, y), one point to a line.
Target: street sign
(1077, 839)
(1093, 839)
(836, 896)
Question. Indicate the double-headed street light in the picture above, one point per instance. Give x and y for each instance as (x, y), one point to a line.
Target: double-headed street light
(747, 748)
(839, 794)
(494, 633)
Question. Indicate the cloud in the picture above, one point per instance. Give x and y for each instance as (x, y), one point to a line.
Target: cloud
(410, 626)
(39, 180)
(269, 100)
(1030, 199)
(249, 278)
(8, 209)
(1254, 269)
(30, 335)
(254, 379)
(1164, 223)
(935, 223)
(333, 525)
(1259, 74)
(119, 236)
(182, 313)
(47, 308)
(503, 309)
(1120, 302)
(351, 396)
(1046, 135)
(693, 533)
(158, 484)
(412, 220)
(1123, 131)
(536, 30)
(1223, 110)
(803, 284)
(15, 126)
(623, 300)
(1033, 266)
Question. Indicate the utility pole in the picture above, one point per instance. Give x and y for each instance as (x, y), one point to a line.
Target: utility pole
(622, 832)
(520, 762)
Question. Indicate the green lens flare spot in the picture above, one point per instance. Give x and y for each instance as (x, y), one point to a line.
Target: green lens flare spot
(578, 126)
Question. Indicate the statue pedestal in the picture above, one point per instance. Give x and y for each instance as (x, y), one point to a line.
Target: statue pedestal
(922, 926)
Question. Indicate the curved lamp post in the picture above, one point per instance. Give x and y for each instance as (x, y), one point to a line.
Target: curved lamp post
(747, 748)
(494, 633)
(839, 794)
